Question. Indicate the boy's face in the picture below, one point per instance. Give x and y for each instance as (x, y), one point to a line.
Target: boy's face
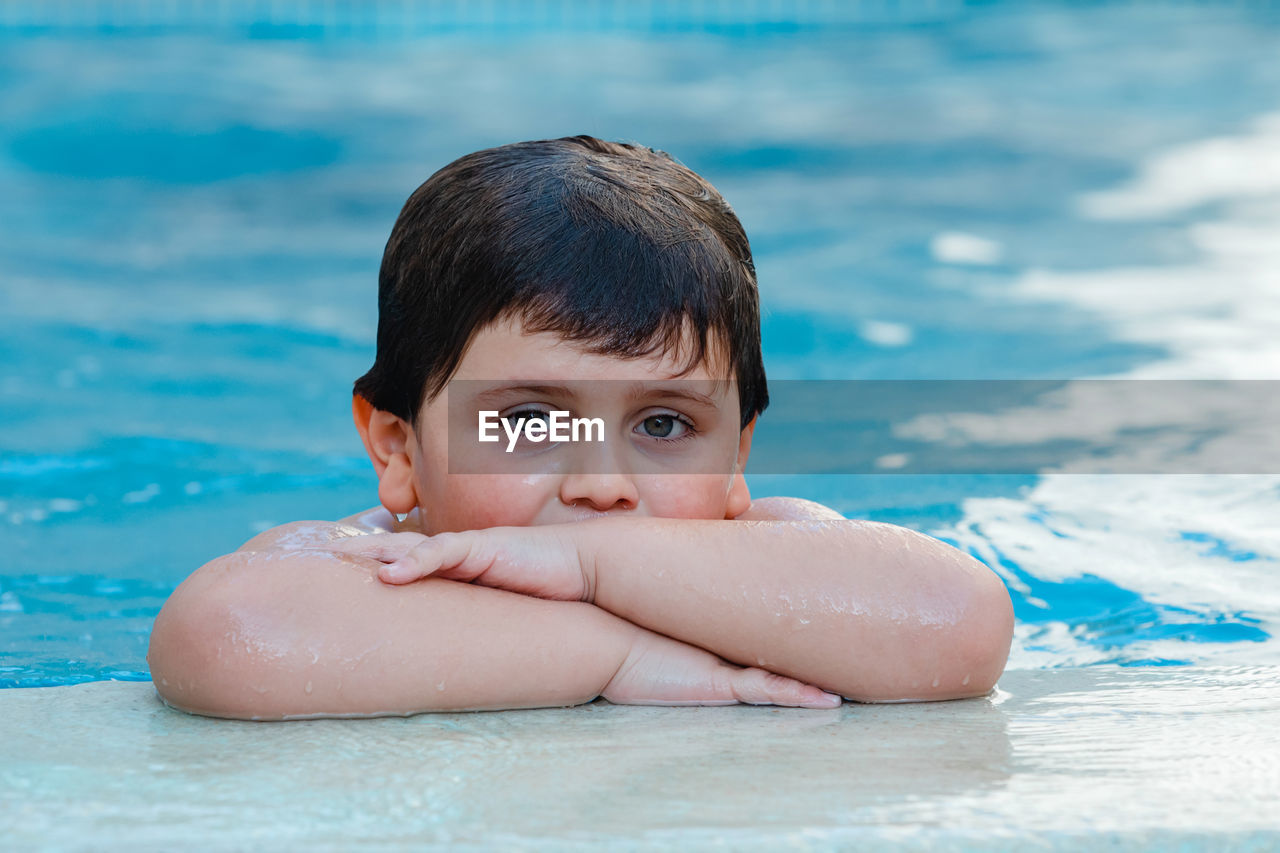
(658, 428)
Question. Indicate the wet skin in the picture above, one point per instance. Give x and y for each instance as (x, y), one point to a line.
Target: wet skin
(593, 569)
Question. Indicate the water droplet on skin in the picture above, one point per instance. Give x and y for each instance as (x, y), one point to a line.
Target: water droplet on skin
(966, 680)
(440, 686)
(308, 688)
(164, 681)
(935, 682)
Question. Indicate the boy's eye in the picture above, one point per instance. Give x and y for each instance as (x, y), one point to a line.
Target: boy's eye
(517, 419)
(659, 426)
(669, 427)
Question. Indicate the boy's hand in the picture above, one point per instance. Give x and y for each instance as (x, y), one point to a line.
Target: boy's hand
(663, 671)
(544, 562)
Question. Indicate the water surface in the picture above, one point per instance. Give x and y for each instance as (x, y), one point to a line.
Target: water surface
(194, 210)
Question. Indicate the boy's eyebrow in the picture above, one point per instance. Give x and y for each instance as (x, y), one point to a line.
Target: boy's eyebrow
(640, 392)
(637, 392)
(545, 390)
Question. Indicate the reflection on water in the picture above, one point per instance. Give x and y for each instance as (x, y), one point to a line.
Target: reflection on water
(192, 222)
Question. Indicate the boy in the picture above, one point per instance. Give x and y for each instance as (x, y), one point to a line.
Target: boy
(603, 280)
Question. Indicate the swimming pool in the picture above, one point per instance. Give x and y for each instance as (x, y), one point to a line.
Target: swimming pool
(195, 205)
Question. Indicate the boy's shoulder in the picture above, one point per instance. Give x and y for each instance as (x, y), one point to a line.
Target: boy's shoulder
(316, 534)
(788, 509)
(378, 520)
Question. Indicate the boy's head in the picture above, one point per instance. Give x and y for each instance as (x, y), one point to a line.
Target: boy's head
(612, 250)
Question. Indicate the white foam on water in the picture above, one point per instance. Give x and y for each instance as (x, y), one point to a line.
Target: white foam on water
(1129, 530)
(1187, 176)
(1217, 318)
(956, 247)
(885, 334)
(1217, 315)
(1205, 428)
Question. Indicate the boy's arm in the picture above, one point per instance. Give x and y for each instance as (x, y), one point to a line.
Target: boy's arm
(874, 612)
(276, 633)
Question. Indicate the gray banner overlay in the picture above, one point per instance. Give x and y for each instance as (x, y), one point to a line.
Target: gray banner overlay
(1085, 426)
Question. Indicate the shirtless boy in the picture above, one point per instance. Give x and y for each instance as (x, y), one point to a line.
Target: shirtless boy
(606, 281)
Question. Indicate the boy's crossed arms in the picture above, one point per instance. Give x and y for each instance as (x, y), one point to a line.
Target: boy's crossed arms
(637, 610)
(869, 611)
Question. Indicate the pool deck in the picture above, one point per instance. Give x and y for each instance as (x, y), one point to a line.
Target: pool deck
(1122, 758)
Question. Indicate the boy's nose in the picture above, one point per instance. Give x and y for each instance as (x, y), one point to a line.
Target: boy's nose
(602, 492)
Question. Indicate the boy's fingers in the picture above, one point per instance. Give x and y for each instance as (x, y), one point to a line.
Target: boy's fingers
(755, 686)
(434, 555)
(400, 572)
(412, 565)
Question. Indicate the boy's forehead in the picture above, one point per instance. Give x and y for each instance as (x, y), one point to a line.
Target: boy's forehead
(505, 351)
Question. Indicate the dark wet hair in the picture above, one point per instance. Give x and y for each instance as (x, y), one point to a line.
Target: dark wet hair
(611, 245)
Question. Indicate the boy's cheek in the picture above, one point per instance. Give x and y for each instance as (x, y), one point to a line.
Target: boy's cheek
(686, 496)
(472, 502)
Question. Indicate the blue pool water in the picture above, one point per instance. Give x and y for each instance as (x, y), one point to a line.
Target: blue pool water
(192, 212)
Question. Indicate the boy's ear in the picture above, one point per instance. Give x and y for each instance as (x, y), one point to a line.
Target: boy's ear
(387, 439)
(739, 495)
